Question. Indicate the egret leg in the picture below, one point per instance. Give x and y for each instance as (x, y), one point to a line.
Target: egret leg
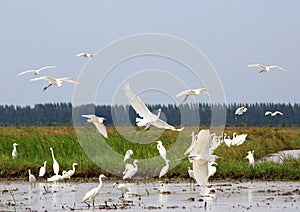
(93, 203)
(45, 88)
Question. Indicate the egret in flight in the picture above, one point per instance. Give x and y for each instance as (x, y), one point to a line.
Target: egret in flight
(190, 149)
(42, 170)
(85, 55)
(128, 155)
(130, 170)
(55, 81)
(265, 68)
(91, 194)
(98, 122)
(148, 119)
(240, 110)
(55, 163)
(192, 92)
(36, 71)
(273, 113)
(14, 153)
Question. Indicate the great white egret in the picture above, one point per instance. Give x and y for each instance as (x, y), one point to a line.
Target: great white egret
(265, 68)
(148, 119)
(191, 147)
(55, 178)
(191, 173)
(98, 122)
(91, 194)
(122, 187)
(200, 157)
(192, 92)
(273, 113)
(162, 150)
(240, 110)
(55, 163)
(14, 152)
(227, 140)
(36, 71)
(83, 54)
(42, 170)
(164, 169)
(128, 155)
(250, 157)
(72, 171)
(130, 170)
(55, 81)
(31, 178)
(211, 168)
(238, 139)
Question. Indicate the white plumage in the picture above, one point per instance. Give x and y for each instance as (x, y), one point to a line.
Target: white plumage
(192, 92)
(36, 71)
(42, 170)
(265, 68)
(130, 170)
(31, 178)
(55, 163)
(164, 169)
(83, 54)
(14, 152)
(55, 81)
(72, 171)
(162, 150)
(240, 110)
(98, 122)
(250, 157)
(273, 113)
(91, 194)
(128, 155)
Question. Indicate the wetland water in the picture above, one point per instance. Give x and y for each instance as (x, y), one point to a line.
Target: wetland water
(154, 196)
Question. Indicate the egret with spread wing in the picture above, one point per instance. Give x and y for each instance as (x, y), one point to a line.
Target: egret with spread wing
(192, 92)
(35, 71)
(55, 81)
(273, 113)
(265, 68)
(83, 54)
(98, 122)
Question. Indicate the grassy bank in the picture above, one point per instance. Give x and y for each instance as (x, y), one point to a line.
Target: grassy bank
(34, 144)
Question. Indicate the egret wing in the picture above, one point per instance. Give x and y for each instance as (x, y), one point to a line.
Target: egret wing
(202, 144)
(267, 113)
(101, 128)
(46, 67)
(200, 169)
(278, 67)
(185, 92)
(161, 124)
(256, 65)
(24, 72)
(50, 79)
(68, 79)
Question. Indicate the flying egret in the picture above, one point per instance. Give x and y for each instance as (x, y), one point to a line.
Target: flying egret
(83, 54)
(72, 171)
(91, 194)
(128, 154)
(122, 187)
(164, 169)
(240, 110)
(130, 170)
(148, 119)
(31, 178)
(273, 113)
(190, 149)
(250, 157)
(55, 81)
(98, 122)
(265, 68)
(14, 153)
(200, 157)
(35, 71)
(55, 163)
(192, 92)
(43, 169)
(162, 150)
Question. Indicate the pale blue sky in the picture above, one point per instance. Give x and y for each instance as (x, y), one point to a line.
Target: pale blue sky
(231, 34)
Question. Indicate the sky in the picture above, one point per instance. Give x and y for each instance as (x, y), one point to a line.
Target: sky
(231, 34)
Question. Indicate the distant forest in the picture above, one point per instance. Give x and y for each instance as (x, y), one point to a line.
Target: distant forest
(61, 114)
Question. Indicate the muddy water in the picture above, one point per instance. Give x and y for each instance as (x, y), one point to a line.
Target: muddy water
(155, 196)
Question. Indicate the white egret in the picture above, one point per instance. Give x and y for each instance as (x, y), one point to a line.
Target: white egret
(55, 163)
(35, 71)
(14, 153)
(238, 139)
(192, 92)
(164, 169)
(98, 122)
(240, 110)
(91, 194)
(265, 68)
(55, 178)
(72, 171)
(148, 119)
(250, 157)
(211, 168)
(191, 173)
(55, 81)
(42, 171)
(227, 140)
(122, 187)
(31, 178)
(191, 147)
(273, 113)
(162, 150)
(200, 157)
(128, 155)
(83, 54)
(130, 170)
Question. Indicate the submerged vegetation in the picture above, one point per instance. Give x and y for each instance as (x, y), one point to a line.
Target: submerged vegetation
(34, 143)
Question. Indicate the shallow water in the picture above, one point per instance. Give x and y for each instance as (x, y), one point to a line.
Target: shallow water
(157, 196)
(279, 157)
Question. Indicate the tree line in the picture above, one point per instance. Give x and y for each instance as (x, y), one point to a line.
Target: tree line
(186, 114)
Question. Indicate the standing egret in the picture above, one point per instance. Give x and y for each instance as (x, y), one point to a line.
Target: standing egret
(191, 173)
(192, 92)
(36, 71)
(72, 171)
(83, 54)
(211, 168)
(128, 155)
(122, 187)
(55, 163)
(250, 157)
(240, 110)
(14, 153)
(273, 113)
(130, 170)
(91, 194)
(43, 169)
(31, 178)
(98, 122)
(164, 169)
(148, 119)
(55, 81)
(265, 68)
(238, 139)
(162, 150)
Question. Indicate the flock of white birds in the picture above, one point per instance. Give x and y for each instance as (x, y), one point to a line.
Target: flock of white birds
(200, 153)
